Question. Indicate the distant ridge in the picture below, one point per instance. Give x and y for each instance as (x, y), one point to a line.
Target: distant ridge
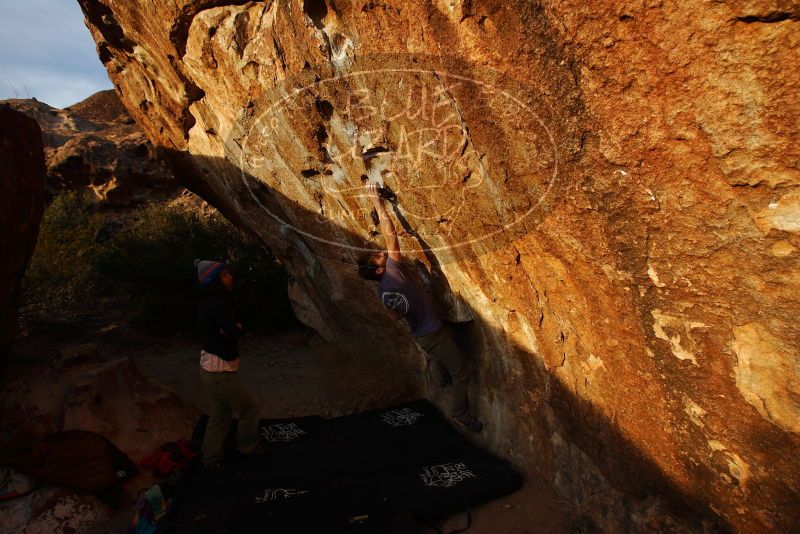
(104, 106)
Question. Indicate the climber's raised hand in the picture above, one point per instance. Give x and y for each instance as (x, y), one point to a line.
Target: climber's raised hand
(387, 226)
(373, 195)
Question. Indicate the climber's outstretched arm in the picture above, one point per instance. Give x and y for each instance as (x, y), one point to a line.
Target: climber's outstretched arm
(387, 226)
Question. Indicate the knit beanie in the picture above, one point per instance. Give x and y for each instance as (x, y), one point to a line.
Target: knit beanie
(207, 270)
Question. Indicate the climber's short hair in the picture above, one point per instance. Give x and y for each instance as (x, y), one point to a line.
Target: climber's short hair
(367, 266)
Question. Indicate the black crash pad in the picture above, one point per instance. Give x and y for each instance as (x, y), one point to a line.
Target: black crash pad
(375, 472)
(396, 438)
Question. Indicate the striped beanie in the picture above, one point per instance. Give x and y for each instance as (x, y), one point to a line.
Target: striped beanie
(207, 270)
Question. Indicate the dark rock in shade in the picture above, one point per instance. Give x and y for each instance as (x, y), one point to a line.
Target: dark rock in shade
(52, 509)
(80, 390)
(22, 175)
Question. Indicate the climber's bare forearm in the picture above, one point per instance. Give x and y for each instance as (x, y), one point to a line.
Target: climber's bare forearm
(389, 233)
(388, 230)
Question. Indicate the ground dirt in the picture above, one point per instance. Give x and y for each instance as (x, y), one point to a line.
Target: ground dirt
(290, 371)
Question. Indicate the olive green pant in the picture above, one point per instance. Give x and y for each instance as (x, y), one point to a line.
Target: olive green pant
(442, 350)
(226, 394)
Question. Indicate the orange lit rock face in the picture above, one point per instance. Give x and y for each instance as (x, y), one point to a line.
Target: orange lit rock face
(609, 192)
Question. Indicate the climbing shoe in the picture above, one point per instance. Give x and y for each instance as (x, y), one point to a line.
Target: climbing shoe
(444, 378)
(261, 449)
(437, 374)
(214, 468)
(469, 423)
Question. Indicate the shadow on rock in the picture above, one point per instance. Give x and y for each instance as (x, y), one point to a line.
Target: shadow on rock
(567, 440)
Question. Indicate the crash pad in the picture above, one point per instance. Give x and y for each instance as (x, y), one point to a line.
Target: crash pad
(382, 471)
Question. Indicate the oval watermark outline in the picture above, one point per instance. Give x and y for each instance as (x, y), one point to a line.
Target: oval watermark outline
(295, 92)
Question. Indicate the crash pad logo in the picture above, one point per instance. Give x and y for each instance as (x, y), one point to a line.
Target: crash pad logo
(401, 417)
(282, 432)
(445, 475)
(278, 494)
(437, 142)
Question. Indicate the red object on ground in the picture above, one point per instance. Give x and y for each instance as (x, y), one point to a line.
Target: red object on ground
(170, 457)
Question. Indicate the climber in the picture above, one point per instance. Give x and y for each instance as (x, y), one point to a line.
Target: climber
(219, 365)
(405, 298)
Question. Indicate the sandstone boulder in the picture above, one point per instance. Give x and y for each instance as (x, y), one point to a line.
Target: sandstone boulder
(21, 205)
(80, 390)
(608, 191)
(50, 510)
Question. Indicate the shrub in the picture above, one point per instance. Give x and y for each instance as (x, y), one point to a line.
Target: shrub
(149, 259)
(57, 276)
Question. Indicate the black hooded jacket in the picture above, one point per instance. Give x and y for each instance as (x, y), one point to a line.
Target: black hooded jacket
(216, 323)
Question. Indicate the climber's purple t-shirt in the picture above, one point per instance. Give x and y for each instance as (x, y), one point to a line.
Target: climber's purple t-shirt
(403, 295)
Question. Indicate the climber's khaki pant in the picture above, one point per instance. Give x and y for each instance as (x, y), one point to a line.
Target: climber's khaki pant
(441, 348)
(226, 394)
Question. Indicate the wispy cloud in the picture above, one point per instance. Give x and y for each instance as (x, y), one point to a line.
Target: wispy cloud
(46, 52)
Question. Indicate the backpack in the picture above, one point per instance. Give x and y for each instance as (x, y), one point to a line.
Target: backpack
(79, 460)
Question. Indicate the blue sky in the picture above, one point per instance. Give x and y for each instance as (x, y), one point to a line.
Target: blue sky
(46, 52)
